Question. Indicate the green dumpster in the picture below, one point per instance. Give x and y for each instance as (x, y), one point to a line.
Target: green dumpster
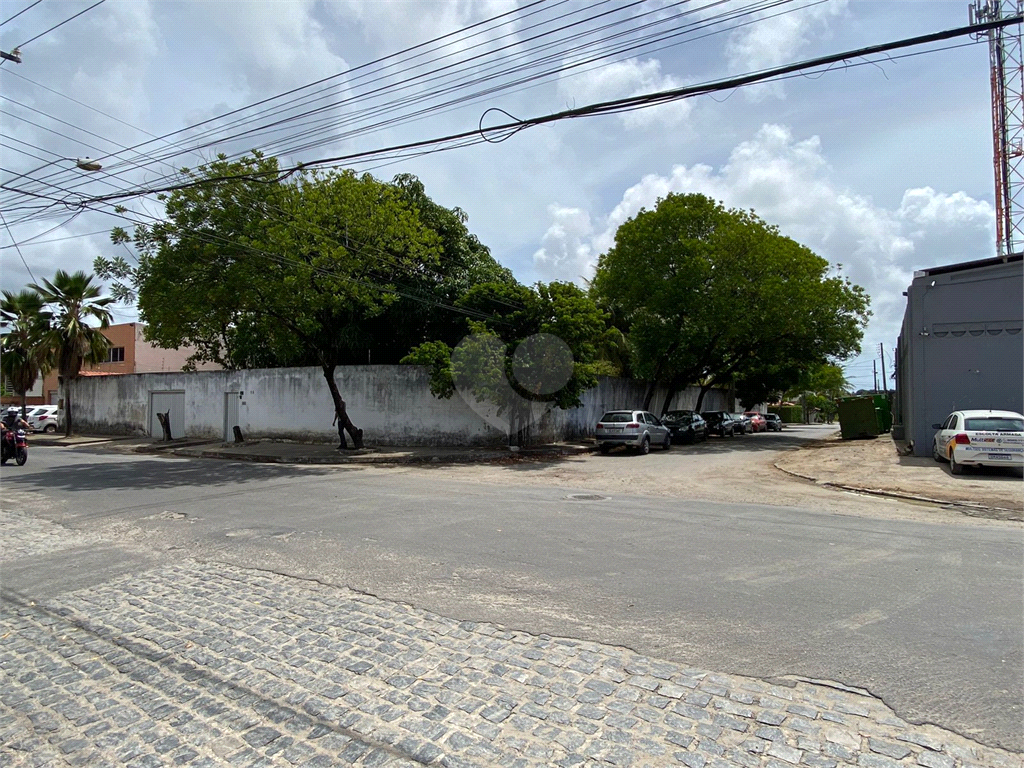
(883, 413)
(858, 417)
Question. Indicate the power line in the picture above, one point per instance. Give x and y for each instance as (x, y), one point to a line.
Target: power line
(4, 220)
(336, 75)
(732, 14)
(34, 241)
(459, 83)
(505, 130)
(760, 4)
(22, 151)
(61, 24)
(409, 153)
(27, 8)
(80, 103)
(29, 240)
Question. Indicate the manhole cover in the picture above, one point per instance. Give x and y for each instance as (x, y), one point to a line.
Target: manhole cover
(586, 497)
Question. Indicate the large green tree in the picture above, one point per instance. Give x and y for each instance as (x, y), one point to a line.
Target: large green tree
(24, 351)
(76, 301)
(257, 271)
(709, 295)
(426, 310)
(532, 347)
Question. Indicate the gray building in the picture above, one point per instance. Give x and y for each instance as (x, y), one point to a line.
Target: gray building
(961, 345)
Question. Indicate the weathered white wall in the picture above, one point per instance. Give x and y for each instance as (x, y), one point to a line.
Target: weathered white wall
(392, 404)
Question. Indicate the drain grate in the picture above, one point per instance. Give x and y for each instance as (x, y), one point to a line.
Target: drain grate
(586, 497)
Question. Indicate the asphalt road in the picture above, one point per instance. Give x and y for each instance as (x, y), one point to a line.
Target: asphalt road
(927, 616)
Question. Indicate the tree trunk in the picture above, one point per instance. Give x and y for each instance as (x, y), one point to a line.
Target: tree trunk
(704, 389)
(523, 427)
(65, 386)
(344, 422)
(657, 374)
(24, 405)
(673, 387)
(650, 395)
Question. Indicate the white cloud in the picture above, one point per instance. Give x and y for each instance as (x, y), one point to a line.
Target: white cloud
(623, 79)
(928, 207)
(788, 182)
(776, 40)
(272, 49)
(397, 24)
(566, 251)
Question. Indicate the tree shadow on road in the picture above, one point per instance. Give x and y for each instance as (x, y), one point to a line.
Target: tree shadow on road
(751, 444)
(153, 472)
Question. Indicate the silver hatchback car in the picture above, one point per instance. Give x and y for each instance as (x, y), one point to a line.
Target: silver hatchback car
(635, 429)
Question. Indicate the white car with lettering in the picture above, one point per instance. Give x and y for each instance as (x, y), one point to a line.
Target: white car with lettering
(980, 439)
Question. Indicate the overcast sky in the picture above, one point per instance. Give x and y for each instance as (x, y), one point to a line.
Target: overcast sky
(882, 168)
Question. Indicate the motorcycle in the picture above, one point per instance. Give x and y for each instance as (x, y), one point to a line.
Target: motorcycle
(14, 446)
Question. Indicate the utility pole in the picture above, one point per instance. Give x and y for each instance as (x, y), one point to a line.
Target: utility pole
(885, 383)
(874, 372)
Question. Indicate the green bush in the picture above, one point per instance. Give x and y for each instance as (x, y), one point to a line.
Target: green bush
(790, 414)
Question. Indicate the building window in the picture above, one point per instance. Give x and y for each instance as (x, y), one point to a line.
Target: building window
(115, 355)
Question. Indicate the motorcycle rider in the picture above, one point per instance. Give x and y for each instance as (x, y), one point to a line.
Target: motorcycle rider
(11, 423)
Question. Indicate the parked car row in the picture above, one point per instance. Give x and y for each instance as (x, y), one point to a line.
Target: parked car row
(42, 418)
(725, 424)
(640, 430)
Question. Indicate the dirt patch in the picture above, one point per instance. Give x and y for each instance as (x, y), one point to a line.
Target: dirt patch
(744, 470)
(879, 465)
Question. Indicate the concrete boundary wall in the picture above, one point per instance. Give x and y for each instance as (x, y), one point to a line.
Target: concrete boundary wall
(392, 404)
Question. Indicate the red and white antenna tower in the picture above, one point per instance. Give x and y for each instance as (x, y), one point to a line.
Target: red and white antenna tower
(1007, 74)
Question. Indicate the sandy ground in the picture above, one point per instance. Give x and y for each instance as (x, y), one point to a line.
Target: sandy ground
(750, 469)
(878, 464)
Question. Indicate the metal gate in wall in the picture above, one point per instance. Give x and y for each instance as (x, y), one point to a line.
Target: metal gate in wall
(230, 414)
(164, 402)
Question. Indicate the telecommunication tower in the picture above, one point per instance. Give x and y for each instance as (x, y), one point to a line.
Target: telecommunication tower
(1007, 75)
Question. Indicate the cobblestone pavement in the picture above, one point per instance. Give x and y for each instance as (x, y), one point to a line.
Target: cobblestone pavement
(203, 664)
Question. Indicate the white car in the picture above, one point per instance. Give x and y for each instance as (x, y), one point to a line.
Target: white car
(43, 418)
(980, 439)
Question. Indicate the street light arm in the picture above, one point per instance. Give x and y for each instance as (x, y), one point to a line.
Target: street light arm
(82, 163)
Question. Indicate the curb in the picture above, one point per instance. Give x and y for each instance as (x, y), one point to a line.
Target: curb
(63, 442)
(964, 505)
(170, 448)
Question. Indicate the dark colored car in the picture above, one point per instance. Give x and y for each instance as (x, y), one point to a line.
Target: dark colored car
(720, 423)
(686, 426)
(773, 422)
(743, 424)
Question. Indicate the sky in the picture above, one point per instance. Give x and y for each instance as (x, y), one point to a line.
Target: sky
(882, 168)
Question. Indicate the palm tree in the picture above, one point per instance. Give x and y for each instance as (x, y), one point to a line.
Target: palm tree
(26, 355)
(75, 301)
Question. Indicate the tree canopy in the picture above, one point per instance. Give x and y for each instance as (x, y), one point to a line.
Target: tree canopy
(24, 351)
(533, 347)
(76, 300)
(258, 271)
(709, 295)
